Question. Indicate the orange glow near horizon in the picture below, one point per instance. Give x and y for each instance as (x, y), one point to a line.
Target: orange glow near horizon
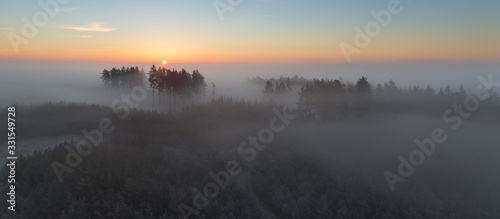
(374, 54)
(87, 34)
(390, 49)
(278, 48)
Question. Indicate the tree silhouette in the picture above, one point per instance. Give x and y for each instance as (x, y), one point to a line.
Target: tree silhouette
(176, 88)
(289, 89)
(198, 85)
(214, 89)
(363, 86)
(492, 97)
(306, 101)
(106, 78)
(280, 89)
(153, 80)
(429, 91)
(441, 92)
(124, 78)
(379, 90)
(269, 90)
(390, 87)
(461, 93)
(448, 91)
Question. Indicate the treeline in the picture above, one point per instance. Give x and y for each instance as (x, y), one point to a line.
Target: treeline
(279, 89)
(334, 99)
(176, 87)
(125, 77)
(390, 88)
(294, 80)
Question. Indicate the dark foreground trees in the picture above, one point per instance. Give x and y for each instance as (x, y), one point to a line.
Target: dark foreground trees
(151, 163)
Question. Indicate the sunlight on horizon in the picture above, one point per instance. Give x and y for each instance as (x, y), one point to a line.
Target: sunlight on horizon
(287, 32)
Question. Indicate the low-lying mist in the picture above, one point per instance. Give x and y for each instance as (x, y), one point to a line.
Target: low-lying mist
(39, 82)
(256, 141)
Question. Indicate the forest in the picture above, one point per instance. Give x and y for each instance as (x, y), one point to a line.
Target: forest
(328, 162)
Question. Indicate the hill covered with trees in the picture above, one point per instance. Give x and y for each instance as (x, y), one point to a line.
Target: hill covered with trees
(327, 162)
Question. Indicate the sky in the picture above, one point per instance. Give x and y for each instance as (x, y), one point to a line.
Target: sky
(247, 31)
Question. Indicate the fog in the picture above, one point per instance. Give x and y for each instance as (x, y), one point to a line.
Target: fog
(336, 149)
(38, 82)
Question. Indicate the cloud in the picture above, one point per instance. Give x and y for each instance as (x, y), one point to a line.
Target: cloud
(95, 27)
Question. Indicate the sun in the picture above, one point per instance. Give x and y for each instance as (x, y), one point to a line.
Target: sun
(164, 62)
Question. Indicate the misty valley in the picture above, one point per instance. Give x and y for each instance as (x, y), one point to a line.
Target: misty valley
(167, 143)
(254, 109)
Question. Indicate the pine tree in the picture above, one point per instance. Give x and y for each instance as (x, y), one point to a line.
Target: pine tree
(214, 89)
(269, 90)
(289, 86)
(461, 93)
(390, 87)
(153, 81)
(429, 91)
(379, 90)
(363, 86)
(106, 78)
(199, 87)
(447, 91)
(441, 92)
